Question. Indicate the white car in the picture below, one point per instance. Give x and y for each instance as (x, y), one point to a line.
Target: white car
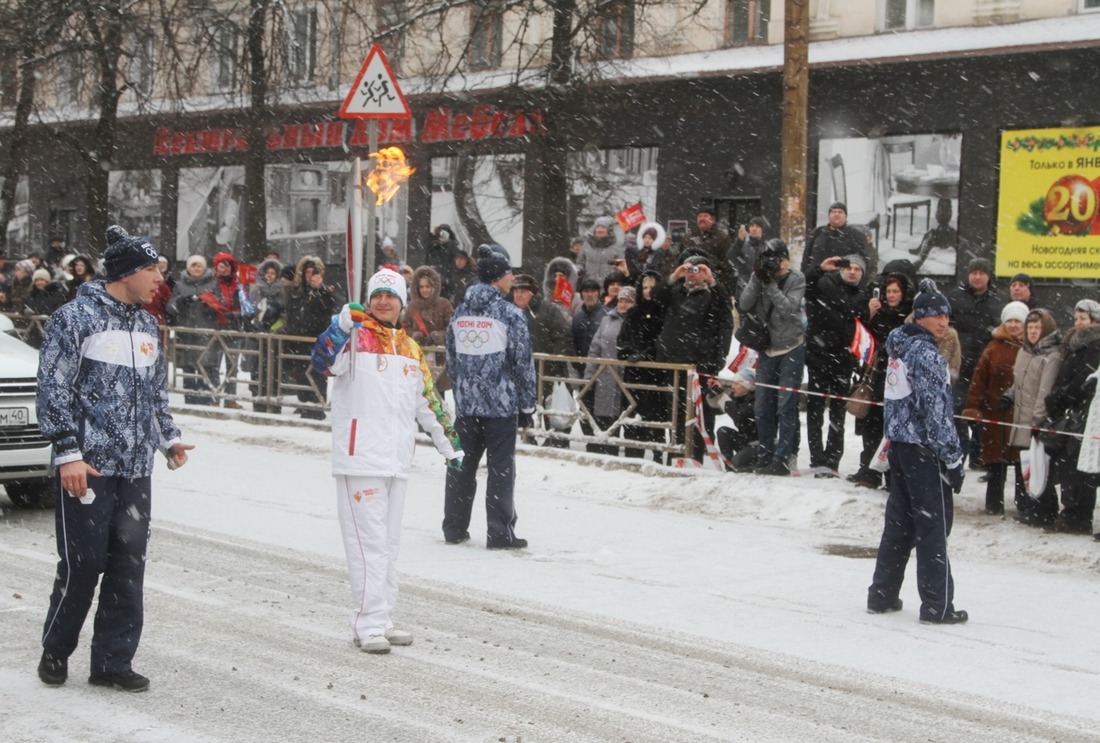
(25, 471)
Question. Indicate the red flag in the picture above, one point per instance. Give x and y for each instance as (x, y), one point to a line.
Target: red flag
(863, 344)
(563, 292)
(632, 216)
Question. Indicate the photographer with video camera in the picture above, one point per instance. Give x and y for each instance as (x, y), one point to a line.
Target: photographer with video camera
(774, 294)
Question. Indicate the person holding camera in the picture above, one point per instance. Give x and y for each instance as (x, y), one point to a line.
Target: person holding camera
(836, 237)
(834, 298)
(697, 330)
(774, 294)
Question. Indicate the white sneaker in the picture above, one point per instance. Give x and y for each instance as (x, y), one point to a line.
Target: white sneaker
(374, 644)
(399, 637)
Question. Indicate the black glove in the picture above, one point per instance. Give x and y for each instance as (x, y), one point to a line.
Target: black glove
(954, 478)
(525, 420)
(1006, 403)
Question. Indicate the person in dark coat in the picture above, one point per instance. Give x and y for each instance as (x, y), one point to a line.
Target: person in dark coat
(268, 299)
(309, 309)
(743, 254)
(737, 443)
(836, 237)
(550, 333)
(637, 342)
(465, 275)
(885, 311)
(44, 297)
(82, 270)
(1021, 289)
(988, 398)
(187, 310)
(710, 240)
(697, 330)
(1071, 396)
(977, 311)
(442, 247)
(834, 299)
(586, 318)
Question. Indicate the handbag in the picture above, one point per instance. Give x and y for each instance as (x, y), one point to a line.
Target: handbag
(859, 402)
(1055, 441)
(753, 333)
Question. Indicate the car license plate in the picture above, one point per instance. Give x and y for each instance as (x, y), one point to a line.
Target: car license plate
(14, 417)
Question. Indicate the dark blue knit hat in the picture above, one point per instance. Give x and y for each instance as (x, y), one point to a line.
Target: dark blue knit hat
(125, 254)
(491, 264)
(930, 302)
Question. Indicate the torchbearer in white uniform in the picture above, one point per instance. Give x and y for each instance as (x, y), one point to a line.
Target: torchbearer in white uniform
(375, 411)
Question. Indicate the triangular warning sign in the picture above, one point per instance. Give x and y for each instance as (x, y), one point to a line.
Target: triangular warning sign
(375, 93)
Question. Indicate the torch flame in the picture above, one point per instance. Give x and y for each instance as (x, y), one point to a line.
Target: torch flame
(389, 172)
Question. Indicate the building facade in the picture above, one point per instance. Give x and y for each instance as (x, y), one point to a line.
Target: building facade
(914, 107)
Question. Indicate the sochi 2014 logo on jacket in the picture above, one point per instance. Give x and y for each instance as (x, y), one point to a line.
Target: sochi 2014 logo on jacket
(480, 336)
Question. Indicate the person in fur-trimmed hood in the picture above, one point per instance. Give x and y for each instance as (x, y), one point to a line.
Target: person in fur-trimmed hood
(570, 296)
(426, 318)
(1033, 377)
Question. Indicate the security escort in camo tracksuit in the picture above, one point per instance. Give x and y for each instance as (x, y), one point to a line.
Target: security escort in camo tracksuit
(102, 402)
(925, 466)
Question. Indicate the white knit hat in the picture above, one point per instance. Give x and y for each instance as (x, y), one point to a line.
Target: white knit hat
(387, 280)
(1014, 311)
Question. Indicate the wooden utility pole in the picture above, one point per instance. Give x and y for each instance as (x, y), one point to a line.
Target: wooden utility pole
(796, 79)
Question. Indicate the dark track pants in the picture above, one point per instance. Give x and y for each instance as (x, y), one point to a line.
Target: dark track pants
(495, 437)
(919, 512)
(104, 538)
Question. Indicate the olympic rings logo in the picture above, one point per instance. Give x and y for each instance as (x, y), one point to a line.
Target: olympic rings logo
(385, 279)
(473, 338)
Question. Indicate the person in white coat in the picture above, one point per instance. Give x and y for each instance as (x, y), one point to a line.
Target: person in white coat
(382, 388)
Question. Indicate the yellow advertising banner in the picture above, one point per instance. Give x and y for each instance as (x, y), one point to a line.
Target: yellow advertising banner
(1048, 216)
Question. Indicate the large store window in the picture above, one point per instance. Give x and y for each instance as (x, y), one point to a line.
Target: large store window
(1090, 4)
(615, 32)
(602, 182)
(899, 15)
(746, 22)
(486, 30)
(301, 45)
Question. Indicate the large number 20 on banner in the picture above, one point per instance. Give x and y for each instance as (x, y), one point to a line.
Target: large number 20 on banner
(1048, 218)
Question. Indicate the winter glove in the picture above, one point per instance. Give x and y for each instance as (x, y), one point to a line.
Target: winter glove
(1006, 403)
(525, 420)
(954, 478)
(352, 316)
(456, 462)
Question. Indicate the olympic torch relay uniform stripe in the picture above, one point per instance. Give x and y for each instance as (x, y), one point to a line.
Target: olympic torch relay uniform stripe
(392, 388)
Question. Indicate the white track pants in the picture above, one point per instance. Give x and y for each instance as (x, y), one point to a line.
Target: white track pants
(370, 511)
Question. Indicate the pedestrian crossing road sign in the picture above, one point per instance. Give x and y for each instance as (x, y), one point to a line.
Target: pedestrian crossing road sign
(375, 93)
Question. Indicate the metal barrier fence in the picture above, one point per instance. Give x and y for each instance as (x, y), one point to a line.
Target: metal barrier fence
(272, 373)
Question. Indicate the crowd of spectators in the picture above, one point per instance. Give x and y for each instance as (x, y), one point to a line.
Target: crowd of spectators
(636, 296)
